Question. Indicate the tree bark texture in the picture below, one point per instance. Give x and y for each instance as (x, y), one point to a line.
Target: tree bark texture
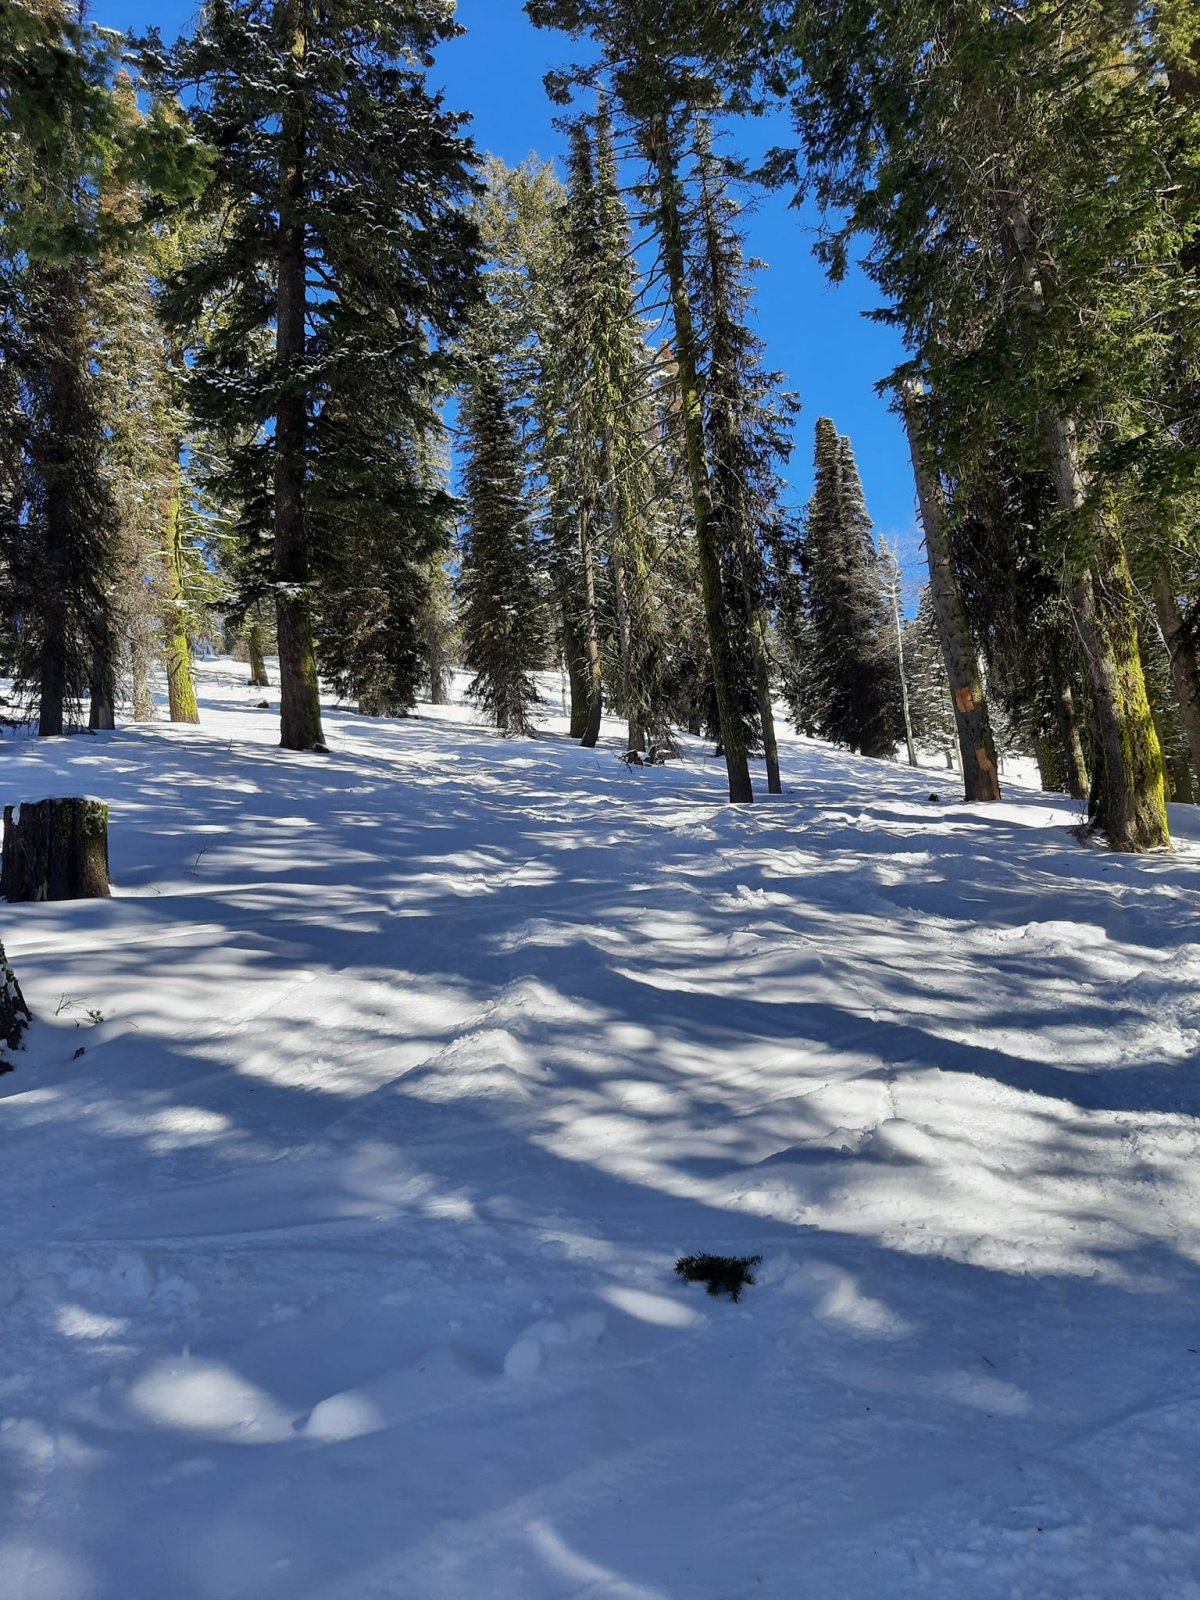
(258, 666)
(300, 705)
(1128, 793)
(977, 748)
(55, 850)
(1181, 651)
(595, 670)
(181, 688)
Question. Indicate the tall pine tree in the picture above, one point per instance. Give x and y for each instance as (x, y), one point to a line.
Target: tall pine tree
(502, 617)
(345, 265)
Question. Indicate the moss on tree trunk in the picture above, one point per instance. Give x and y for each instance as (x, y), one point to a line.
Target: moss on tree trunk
(976, 746)
(55, 850)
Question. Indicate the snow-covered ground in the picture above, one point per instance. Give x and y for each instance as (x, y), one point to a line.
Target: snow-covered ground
(338, 1265)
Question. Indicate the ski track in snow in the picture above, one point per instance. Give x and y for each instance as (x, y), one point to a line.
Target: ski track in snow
(339, 1266)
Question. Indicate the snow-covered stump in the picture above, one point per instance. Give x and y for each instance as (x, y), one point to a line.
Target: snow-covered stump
(14, 1013)
(55, 850)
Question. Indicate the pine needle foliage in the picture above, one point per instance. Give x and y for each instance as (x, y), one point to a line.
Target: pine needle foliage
(719, 1274)
(503, 624)
(344, 269)
(854, 665)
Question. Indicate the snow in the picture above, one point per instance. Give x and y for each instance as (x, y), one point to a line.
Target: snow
(339, 1265)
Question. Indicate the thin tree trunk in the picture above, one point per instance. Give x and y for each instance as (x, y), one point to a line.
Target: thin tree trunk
(258, 666)
(1181, 651)
(181, 689)
(977, 748)
(57, 580)
(637, 736)
(724, 671)
(595, 670)
(1069, 736)
(299, 696)
(760, 657)
(894, 596)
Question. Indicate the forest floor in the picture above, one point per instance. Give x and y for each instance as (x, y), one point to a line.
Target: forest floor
(346, 1168)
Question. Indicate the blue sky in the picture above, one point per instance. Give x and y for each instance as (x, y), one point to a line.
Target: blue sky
(815, 333)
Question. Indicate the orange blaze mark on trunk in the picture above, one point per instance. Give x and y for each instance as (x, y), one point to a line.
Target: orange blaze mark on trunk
(964, 699)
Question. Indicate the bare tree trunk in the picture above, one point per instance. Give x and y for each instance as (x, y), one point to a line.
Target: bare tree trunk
(1072, 741)
(724, 669)
(595, 670)
(181, 688)
(139, 673)
(578, 678)
(258, 666)
(977, 748)
(102, 698)
(893, 569)
(300, 704)
(1181, 651)
(637, 734)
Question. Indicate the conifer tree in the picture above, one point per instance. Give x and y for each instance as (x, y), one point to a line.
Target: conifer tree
(748, 423)
(930, 704)
(503, 629)
(345, 264)
(658, 93)
(979, 151)
(854, 655)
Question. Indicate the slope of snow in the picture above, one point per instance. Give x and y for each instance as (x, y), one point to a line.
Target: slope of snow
(338, 1266)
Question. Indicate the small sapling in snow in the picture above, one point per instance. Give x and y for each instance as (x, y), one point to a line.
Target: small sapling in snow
(720, 1274)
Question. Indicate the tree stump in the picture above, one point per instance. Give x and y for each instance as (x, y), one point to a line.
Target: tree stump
(14, 1013)
(55, 850)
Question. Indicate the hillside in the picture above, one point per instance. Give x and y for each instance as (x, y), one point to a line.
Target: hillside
(338, 1266)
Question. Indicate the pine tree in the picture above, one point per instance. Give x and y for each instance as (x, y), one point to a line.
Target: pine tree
(854, 655)
(748, 425)
(342, 182)
(503, 630)
(930, 704)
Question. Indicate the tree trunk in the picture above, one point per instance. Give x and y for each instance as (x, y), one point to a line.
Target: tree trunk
(977, 749)
(595, 704)
(575, 653)
(181, 689)
(258, 667)
(55, 850)
(102, 697)
(724, 669)
(637, 734)
(1128, 798)
(139, 675)
(52, 677)
(762, 686)
(893, 569)
(1181, 652)
(300, 704)
(14, 1013)
(1069, 736)
(1047, 765)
